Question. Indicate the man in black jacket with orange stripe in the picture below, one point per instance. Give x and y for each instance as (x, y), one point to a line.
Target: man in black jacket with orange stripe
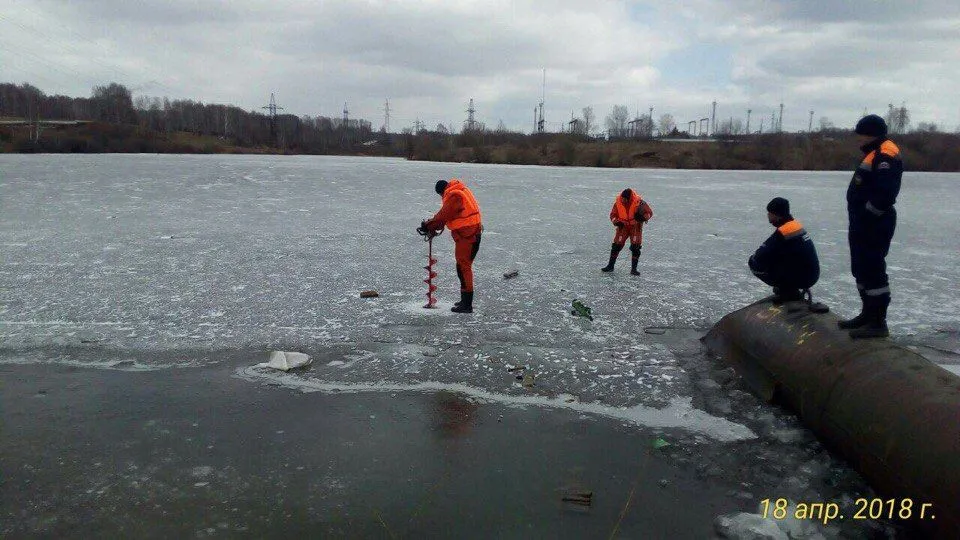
(787, 260)
(871, 195)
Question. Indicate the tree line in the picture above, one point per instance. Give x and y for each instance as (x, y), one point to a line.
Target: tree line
(121, 123)
(114, 104)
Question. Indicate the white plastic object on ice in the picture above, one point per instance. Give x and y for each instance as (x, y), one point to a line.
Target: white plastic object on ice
(285, 360)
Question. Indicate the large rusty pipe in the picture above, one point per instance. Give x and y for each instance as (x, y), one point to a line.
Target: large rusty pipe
(894, 415)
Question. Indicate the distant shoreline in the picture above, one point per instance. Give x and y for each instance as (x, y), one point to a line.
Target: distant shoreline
(837, 151)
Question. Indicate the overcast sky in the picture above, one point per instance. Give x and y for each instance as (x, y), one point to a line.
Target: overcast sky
(429, 57)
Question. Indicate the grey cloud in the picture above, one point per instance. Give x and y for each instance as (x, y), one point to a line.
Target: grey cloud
(143, 13)
(430, 58)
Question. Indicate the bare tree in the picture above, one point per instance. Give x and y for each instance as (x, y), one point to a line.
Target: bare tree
(114, 103)
(898, 118)
(733, 126)
(617, 121)
(825, 124)
(666, 124)
(589, 120)
(927, 127)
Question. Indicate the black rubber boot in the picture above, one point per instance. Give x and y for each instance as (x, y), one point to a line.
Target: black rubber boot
(781, 296)
(856, 322)
(815, 307)
(466, 303)
(614, 252)
(876, 325)
(633, 266)
(859, 320)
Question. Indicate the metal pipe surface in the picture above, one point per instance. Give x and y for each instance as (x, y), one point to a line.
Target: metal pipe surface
(894, 415)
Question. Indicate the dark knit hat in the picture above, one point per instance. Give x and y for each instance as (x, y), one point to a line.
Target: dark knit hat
(440, 187)
(625, 193)
(872, 126)
(779, 206)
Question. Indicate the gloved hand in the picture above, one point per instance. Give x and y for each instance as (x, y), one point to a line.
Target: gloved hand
(618, 224)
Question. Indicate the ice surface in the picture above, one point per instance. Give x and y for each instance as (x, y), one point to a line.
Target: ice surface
(266, 252)
(743, 526)
(142, 253)
(679, 414)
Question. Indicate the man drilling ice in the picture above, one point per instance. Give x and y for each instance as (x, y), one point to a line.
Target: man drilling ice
(461, 214)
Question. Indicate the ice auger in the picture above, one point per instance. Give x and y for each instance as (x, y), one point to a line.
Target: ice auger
(431, 273)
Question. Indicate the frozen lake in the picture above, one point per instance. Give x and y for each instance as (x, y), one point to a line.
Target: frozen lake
(146, 263)
(145, 252)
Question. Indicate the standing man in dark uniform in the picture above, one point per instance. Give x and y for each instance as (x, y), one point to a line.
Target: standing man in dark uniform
(870, 198)
(787, 261)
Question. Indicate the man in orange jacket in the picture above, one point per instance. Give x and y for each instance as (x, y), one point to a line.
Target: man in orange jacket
(461, 214)
(628, 215)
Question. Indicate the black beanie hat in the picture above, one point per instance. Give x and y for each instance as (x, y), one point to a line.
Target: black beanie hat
(871, 125)
(440, 187)
(625, 193)
(779, 206)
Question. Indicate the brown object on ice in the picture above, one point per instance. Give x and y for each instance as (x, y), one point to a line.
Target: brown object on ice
(369, 294)
(583, 498)
(511, 274)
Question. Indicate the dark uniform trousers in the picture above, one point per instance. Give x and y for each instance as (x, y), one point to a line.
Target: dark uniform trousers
(869, 239)
(870, 205)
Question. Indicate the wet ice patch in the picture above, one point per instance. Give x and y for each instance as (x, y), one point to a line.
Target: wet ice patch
(120, 365)
(680, 412)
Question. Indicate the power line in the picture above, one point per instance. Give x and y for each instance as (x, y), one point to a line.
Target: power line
(386, 116)
(272, 109)
(471, 122)
(85, 54)
(543, 96)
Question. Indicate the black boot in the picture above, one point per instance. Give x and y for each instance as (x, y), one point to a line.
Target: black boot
(783, 295)
(876, 325)
(814, 307)
(633, 266)
(465, 305)
(614, 251)
(859, 320)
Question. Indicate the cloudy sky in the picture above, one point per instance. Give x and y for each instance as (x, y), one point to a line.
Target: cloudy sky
(430, 57)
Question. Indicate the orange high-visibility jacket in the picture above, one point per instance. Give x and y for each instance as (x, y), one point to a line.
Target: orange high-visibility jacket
(626, 214)
(459, 210)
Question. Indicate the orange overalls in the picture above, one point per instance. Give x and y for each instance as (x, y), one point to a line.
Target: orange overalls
(626, 215)
(461, 214)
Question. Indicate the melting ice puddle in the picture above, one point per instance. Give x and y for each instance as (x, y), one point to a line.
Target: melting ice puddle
(679, 414)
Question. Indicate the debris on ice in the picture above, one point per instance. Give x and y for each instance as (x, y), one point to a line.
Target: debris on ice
(285, 360)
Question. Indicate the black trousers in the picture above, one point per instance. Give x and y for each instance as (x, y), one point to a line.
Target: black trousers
(869, 239)
(781, 281)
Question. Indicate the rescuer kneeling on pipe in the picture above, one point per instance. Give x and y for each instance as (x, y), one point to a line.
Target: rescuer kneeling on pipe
(787, 261)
